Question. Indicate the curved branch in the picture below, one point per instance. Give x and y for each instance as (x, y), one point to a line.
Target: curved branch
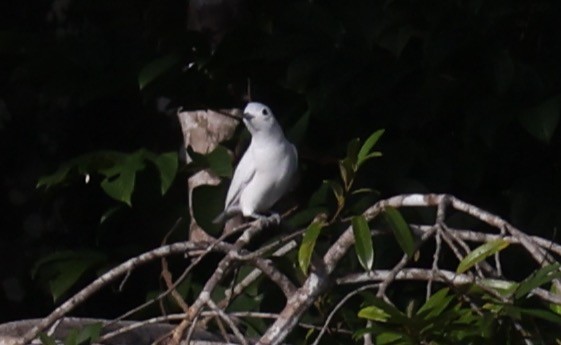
(103, 280)
(443, 276)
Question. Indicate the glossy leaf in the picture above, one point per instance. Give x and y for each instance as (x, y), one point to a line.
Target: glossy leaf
(556, 308)
(436, 304)
(304, 217)
(385, 334)
(374, 313)
(390, 338)
(54, 179)
(156, 68)
(363, 242)
(109, 213)
(542, 314)
(167, 164)
(503, 287)
(481, 253)
(371, 155)
(364, 152)
(395, 315)
(337, 191)
(353, 148)
(538, 278)
(308, 244)
(363, 190)
(119, 170)
(220, 161)
(401, 230)
(69, 273)
(120, 178)
(65, 268)
(120, 187)
(347, 172)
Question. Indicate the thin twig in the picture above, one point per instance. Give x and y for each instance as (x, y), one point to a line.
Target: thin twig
(435, 257)
(228, 320)
(443, 276)
(207, 249)
(103, 280)
(338, 306)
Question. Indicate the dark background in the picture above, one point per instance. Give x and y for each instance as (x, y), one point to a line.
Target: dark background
(469, 93)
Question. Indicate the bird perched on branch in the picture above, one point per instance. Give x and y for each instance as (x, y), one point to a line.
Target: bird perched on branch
(266, 170)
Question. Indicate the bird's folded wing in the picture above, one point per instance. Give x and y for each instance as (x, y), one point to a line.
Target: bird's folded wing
(242, 176)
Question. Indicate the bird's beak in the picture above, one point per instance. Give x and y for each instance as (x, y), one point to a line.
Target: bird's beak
(247, 116)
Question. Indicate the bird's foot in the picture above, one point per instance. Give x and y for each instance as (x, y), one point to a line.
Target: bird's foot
(266, 221)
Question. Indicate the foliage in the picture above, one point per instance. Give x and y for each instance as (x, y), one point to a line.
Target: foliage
(468, 93)
(83, 336)
(480, 254)
(447, 318)
(119, 171)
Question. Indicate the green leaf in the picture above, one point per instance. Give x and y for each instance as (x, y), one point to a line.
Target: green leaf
(89, 163)
(541, 121)
(220, 161)
(167, 164)
(363, 242)
(436, 304)
(542, 314)
(56, 178)
(308, 244)
(156, 68)
(89, 333)
(347, 172)
(321, 196)
(538, 278)
(388, 338)
(556, 308)
(47, 339)
(109, 213)
(374, 313)
(503, 287)
(120, 187)
(395, 315)
(120, 178)
(374, 154)
(304, 217)
(64, 269)
(352, 152)
(481, 253)
(72, 337)
(119, 170)
(69, 274)
(337, 191)
(400, 229)
(364, 152)
(363, 190)
(384, 335)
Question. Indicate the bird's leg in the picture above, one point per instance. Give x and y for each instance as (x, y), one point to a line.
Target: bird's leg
(273, 219)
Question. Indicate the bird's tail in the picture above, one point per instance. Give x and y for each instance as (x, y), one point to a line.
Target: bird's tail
(226, 214)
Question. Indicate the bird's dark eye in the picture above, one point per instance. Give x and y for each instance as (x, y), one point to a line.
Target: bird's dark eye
(265, 112)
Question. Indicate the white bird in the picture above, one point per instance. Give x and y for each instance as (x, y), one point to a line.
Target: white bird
(266, 170)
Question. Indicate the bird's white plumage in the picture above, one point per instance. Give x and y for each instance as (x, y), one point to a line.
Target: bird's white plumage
(267, 168)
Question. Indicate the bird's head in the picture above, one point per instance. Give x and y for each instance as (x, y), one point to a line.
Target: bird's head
(259, 117)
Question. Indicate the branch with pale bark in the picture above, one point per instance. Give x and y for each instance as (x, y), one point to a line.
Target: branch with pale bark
(324, 275)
